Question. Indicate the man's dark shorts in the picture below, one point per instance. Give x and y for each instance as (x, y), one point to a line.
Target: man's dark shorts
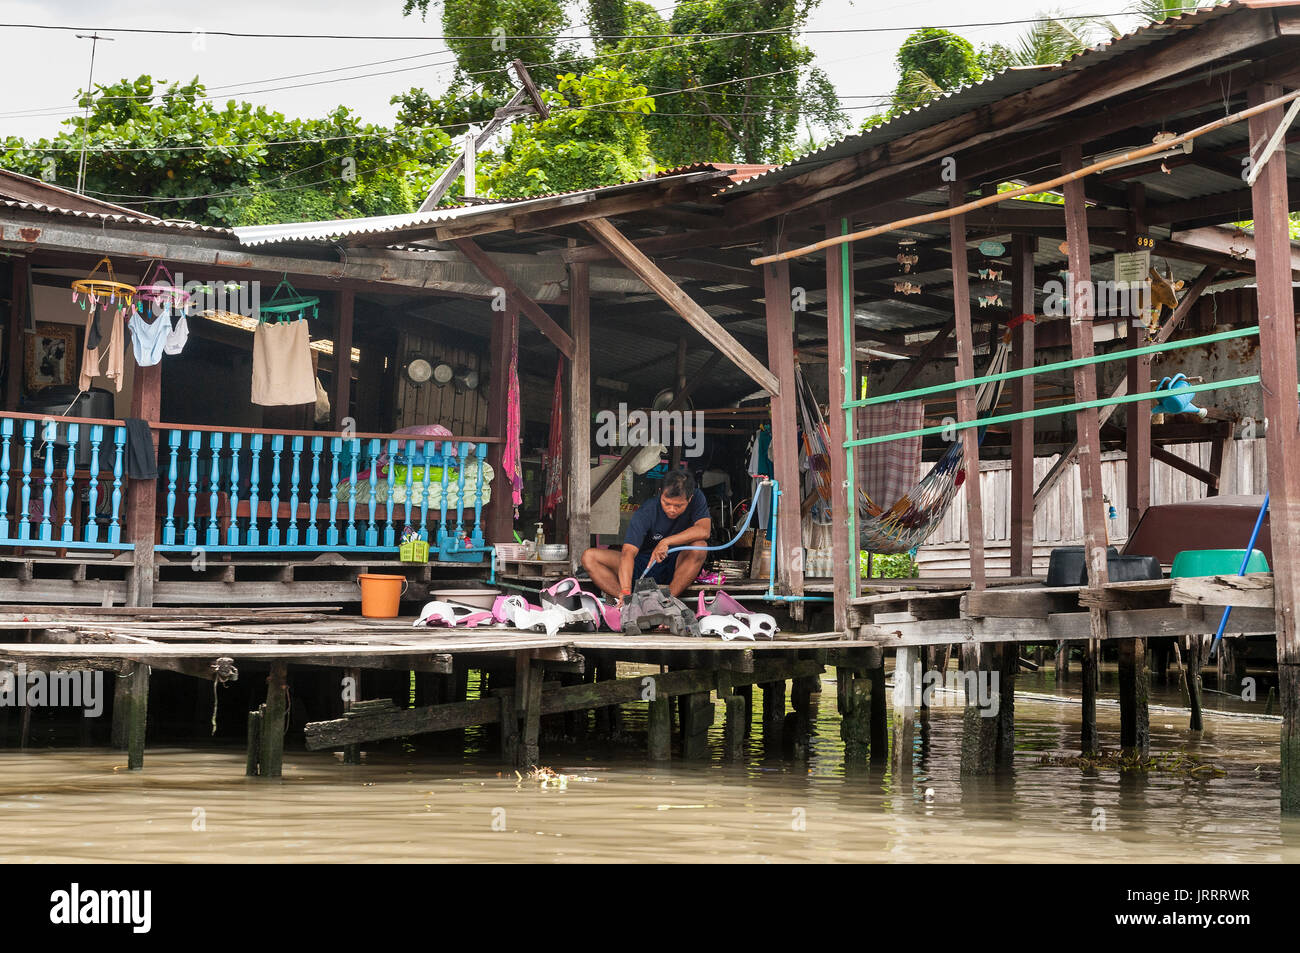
(661, 572)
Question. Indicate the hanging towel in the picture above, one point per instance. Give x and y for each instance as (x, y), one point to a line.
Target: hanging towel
(282, 373)
(149, 339)
(107, 360)
(141, 458)
(886, 471)
(510, 455)
(553, 461)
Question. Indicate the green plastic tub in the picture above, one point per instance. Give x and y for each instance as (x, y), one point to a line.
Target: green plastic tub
(1216, 562)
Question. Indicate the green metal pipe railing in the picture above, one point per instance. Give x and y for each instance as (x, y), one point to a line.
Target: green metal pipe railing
(1058, 366)
(1055, 409)
(850, 388)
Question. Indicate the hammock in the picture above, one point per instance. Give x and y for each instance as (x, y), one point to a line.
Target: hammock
(911, 520)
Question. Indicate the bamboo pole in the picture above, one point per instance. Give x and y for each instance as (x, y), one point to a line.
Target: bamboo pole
(1036, 188)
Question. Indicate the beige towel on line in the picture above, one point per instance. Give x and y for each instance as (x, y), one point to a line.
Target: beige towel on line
(282, 373)
(108, 359)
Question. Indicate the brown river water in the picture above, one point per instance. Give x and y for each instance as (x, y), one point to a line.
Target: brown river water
(405, 803)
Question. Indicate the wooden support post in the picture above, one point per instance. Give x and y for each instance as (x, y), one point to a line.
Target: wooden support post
(137, 689)
(1088, 428)
(735, 712)
(1137, 416)
(1022, 401)
(1061, 662)
(15, 336)
(579, 463)
(499, 516)
(253, 753)
(659, 729)
(907, 666)
(1008, 654)
(879, 707)
(141, 495)
(1277, 348)
(697, 719)
(785, 425)
(839, 296)
(773, 714)
(1134, 715)
(979, 722)
(509, 729)
(343, 358)
(966, 407)
(855, 715)
(1192, 681)
(271, 757)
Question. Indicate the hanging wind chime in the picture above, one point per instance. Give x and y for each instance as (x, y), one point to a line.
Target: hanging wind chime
(907, 259)
(988, 290)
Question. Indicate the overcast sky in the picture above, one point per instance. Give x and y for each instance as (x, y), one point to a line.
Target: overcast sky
(44, 69)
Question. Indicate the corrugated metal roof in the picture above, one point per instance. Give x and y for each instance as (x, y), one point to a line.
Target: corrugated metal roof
(117, 218)
(985, 92)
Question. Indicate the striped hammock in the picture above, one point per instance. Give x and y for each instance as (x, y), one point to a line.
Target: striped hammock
(912, 518)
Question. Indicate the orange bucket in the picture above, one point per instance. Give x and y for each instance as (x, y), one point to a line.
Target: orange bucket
(380, 594)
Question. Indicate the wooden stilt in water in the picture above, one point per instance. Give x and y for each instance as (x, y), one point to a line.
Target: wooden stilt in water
(906, 688)
(879, 710)
(854, 697)
(659, 729)
(271, 758)
(137, 699)
(773, 714)
(254, 752)
(1134, 715)
(121, 712)
(1005, 750)
(697, 719)
(979, 722)
(1192, 681)
(1088, 743)
(509, 729)
(733, 725)
(528, 696)
(1062, 662)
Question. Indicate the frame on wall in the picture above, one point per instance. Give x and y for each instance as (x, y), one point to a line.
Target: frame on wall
(50, 356)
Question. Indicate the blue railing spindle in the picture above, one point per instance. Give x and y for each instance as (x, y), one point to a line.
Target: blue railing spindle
(69, 483)
(424, 503)
(169, 523)
(7, 432)
(49, 433)
(215, 441)
(313, 531)
(191, 526)
(445, 460)
(372, 534)
(355, 456)
(462, 455)
(232, 532)
(25, 521)
(392, 492)
(91, 533)
(254, 475)
(480, 451)
(115, 514)
(332, 533)
(291, 535)
(277, 451)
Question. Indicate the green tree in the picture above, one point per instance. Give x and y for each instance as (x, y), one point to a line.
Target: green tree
(168, 150)
(1153, 11)
(596, 135)
(1055, 40)
(932, 61)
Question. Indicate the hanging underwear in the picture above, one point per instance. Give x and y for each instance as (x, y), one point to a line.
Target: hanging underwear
(178, 336)
(148, 340)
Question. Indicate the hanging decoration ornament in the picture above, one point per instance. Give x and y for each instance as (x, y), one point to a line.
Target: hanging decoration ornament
(988, 291)
(907, 256)
(906, 288)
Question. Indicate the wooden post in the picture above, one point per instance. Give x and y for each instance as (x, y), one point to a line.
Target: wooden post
(906, 670)
(1137, 416)
(980, 730)
(785, 449)
(499, 518)
(1088, 428)
(141, 495)
(879, 710)
(839, 287)
(1022, 401)
(509, 729)
(1009, 655)
(966, 407)
(253, 752)
(773, 714)
(697, 719)
(659, 729)
(1134, 715)
(528, 701)
(271, 758)
(343, 357)
(15, 338)
(138, 715)
(1277, 348)
(579, 494)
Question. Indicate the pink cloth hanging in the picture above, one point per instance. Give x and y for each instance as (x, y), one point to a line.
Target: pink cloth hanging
(553, 461)
(510, 457)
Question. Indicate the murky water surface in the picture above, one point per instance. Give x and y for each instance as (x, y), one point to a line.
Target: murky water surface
(406, 803)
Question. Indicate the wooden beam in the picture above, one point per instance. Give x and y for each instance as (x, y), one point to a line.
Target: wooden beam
(635, 261)
(1277, 350)
(934, 348)
(678, 402)
(1022, 401)
(343, 357)
(531, 309)
(839, 287)
(1137, 416)
(785, 422)
(967, 410)
(15, 336)
(579, 463)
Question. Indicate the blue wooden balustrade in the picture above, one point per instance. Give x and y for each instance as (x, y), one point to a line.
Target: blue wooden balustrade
(63, 485)
(62, 482)
(233, 491)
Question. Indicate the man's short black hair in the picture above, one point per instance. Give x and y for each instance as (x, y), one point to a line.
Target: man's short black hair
(678, 483)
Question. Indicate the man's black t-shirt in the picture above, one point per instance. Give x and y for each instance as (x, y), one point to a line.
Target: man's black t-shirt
(650, 523)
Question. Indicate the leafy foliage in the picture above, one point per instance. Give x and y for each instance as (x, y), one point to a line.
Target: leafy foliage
(254, 165)
(595, 135)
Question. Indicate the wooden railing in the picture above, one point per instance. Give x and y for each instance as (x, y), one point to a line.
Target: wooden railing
(230, 489)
